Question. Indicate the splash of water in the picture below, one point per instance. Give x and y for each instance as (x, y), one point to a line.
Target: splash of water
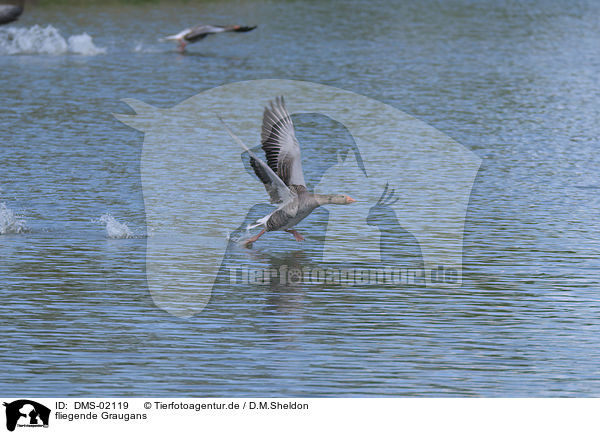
(9, 223)
(114, 229)
(84, 45)
(140, 47)
(45, 40)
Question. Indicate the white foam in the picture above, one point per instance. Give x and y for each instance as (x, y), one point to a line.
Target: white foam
(83, 44)
(45, 40)
(114, 229)
(9, 222)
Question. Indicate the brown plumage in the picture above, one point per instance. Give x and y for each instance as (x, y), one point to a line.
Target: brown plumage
(197, 33)
(282, 174)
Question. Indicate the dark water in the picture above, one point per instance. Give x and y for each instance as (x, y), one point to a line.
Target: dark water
(514, 82)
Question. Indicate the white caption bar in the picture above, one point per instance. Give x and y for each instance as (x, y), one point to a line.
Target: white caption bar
(268, 415)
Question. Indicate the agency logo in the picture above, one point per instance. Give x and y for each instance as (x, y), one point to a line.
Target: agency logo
(411, 183)
(25, 413)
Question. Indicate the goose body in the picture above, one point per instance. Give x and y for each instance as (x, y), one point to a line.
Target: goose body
(282, 174)
(201, 31)
(10, 13)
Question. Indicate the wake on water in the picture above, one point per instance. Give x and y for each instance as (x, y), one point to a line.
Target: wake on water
(9, 223)
(114, 229)
(14, 224)
(45, 40)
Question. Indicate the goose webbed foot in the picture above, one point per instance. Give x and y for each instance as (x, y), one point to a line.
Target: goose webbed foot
(297, 235)
(249, 241)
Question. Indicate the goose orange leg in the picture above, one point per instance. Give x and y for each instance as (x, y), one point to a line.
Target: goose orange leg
(296, 234)
(254, 238)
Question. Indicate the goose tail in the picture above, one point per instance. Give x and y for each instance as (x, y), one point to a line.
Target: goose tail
(168, 38)
(175, 37)
(259, 222)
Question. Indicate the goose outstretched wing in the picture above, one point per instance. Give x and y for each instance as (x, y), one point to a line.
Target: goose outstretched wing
(279, 142)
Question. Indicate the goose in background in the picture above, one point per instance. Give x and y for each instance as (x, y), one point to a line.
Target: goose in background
(197, 33)
(282, 174)
(10, 13)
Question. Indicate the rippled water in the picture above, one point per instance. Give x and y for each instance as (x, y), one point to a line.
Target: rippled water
(515, 83)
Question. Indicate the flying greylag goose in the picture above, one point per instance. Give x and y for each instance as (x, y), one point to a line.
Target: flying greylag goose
(194, 34)
(282, 174)
(10, 13)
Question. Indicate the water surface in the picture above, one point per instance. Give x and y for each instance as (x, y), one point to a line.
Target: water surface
(516, 83)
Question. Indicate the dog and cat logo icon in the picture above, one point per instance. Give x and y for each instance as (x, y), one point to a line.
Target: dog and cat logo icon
(26, 413)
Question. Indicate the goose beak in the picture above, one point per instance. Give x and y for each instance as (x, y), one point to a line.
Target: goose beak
(350, 200)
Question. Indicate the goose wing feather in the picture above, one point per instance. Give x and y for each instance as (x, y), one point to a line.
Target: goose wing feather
(278, 191)
(278, 140)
